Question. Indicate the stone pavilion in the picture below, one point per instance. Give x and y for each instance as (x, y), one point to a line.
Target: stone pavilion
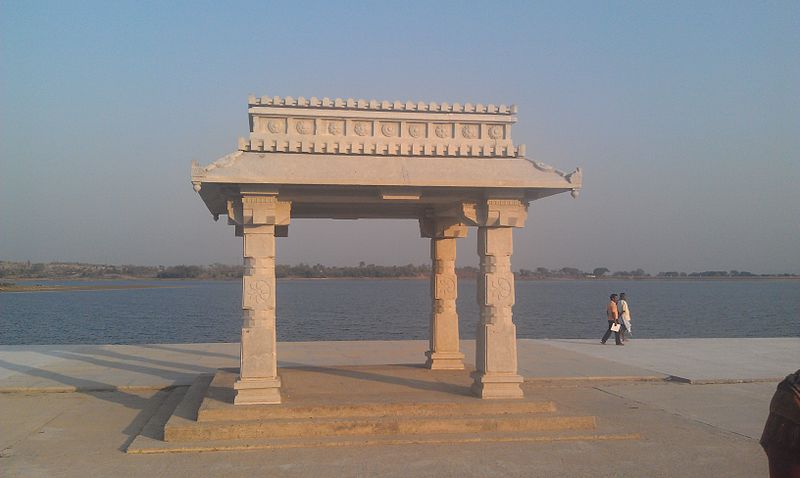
(450, 166)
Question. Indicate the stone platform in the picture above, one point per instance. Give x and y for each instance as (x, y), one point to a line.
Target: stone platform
(355, 405)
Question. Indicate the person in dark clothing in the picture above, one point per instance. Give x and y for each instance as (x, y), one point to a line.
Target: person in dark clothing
(781, 437)
(612, 314)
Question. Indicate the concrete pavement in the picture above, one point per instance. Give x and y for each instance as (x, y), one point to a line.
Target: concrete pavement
(687, 429)
(699, 360)
(152, 366)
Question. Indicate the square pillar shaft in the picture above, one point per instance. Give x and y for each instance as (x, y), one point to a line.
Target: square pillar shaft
(258, 381)
(496, 339)
(444, 351)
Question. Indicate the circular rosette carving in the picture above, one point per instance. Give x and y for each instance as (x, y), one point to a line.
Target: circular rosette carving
(504, 288)
(274, 126)
(499, 290)
(469, 131)
(361, 129)
(442, 130)
(496, 132)
(415, 130)
(334, 128)
(444, 287)
(388, 129)
(303, 127)
(259, 293)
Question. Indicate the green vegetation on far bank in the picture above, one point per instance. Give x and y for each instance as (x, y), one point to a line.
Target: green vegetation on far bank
(11, 287)
(10, 271)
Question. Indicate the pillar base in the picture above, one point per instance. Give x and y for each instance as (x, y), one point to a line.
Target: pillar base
(258, 391)
(496, 385)
(444, 360)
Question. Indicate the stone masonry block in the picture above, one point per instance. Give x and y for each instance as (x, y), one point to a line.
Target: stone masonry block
(259, 242)
(495, 241)
(500, 348)
(443, 249)
(258, 353)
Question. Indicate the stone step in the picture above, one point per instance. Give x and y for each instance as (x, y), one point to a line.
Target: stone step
(390, 407)
(154, 428)
(147, 445)
(217, 404)
(187, 408)
(374, 409)
(396, 425)
(390, 401)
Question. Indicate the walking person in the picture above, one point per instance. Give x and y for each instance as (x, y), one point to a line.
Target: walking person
(624, 316)
(612, 314)
(781, 437)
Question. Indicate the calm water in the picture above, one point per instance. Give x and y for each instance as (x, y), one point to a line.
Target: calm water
(191, 311)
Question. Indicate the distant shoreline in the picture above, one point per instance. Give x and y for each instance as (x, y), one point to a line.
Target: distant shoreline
(170, 283)
(26, 271)
(62, 288)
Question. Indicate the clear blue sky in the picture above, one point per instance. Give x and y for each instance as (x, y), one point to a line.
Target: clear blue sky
(685, 117)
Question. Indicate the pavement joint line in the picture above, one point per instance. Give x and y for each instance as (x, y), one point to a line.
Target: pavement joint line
(599, 378)
(111, 388)
(720, 381)
(530, 380)
(32, 432)
(149, 388)
(677, 414)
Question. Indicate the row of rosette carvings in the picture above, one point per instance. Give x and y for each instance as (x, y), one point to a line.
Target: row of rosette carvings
(379, 148)
(416, 130)
(362, 104)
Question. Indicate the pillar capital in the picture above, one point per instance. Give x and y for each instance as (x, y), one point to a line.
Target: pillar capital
(253, 209)
(442, 228)
(495, 212)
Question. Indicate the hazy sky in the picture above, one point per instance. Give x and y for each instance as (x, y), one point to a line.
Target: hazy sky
(685, 117)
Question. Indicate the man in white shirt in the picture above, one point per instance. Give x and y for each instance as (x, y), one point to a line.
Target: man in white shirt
(624, 315)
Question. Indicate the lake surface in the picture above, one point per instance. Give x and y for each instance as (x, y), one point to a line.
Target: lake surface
(308, 310)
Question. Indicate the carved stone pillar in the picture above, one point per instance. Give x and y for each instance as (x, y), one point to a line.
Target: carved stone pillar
(444, 353)
(496, 338)
(257, 220)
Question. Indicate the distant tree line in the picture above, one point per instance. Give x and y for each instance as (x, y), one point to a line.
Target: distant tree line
(63, 270)
(73, 270)
(574, 273)
(362, 270)
(601, 272)
(733, 273)
(213, 271)
(28, 270)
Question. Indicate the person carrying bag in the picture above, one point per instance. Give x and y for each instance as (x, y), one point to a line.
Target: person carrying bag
(612, 315)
